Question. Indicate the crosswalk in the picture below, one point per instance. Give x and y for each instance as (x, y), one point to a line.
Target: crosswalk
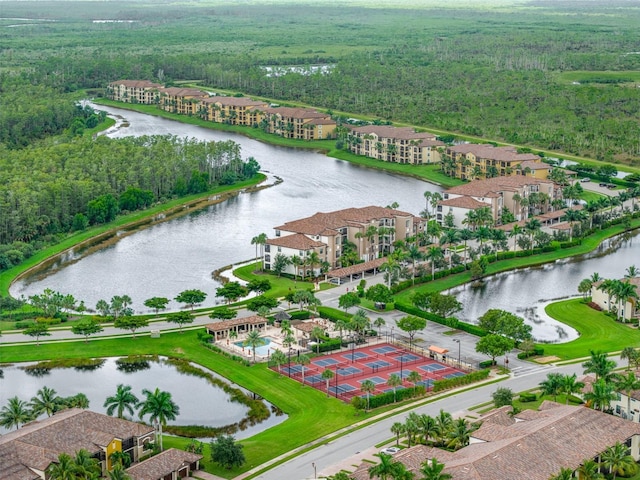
(521, 370)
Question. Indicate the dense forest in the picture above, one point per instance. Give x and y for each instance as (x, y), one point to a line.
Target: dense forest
(559, 76)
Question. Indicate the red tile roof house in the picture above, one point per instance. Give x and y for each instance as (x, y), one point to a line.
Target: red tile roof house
(325, 233)
(395, 144)
(26, 453)
(532, 445)
(134, 91)
(172, 464)
(496, 193)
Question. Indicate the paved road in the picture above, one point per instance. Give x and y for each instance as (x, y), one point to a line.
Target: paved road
(346, 451)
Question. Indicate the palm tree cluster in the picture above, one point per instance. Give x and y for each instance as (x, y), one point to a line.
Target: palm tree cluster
(620, 291)
(439, 431)
(19, 412)
(390, 469)
(614, 461)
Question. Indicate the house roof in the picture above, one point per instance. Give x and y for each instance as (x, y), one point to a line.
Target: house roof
(535, 445)
(163, 464)
(357, 268)
(296, 241)
(226, 324)
(323, 223)
(300, 113)
(183, 92)
(469, 203)
(38, 444)
(399, 133)
(535, 165)
(137, 84)
(488, 151)
(483, 188)
(307, 327)
(238, 101)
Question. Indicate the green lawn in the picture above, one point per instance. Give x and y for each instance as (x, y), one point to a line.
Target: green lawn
(311, 414)
(597, 330)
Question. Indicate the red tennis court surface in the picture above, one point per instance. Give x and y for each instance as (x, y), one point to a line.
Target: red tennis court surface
(371, 362)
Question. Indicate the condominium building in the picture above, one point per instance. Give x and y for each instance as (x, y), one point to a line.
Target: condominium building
(519, 194)
(299, 123)
(233, 110)
(395, 144)
(369, 231)
(185, 101)
(471, 161)
(134, 91)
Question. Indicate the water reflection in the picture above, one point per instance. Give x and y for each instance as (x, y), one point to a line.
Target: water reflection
(180, 254)
(527, 291)
(200, 401)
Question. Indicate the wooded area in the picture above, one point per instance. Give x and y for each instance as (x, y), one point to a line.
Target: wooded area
(491, 69)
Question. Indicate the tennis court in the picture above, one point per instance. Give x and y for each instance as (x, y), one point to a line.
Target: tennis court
(349, 369)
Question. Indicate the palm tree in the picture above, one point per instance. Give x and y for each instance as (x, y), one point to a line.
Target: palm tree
(411, 427)
(118, 473)
(397, 429)
(631, 354)
(589, 470)
(15, 413)
(623, 292)
(595, 277)
(121, 401)
(160, 408)
(433, 255)
(63, 469)
(617, 460)
(46, 401)
(607, 286)
(627, 383)
(433, 470)
(552, 385)
(414, 377)
(328, 375)
(565, 474)
(394, 381)
(602, 395)
(303, 360)
(443, 425)
(368, 387)
(85, 466)
(253, 341)
(532, 227)
(414, 254)
(631, 272)
(383, 470)
(428, 427)
(460, 434)
(600, 365)
(570, 385)
(465, 235)
(279, 358)
(260, 239)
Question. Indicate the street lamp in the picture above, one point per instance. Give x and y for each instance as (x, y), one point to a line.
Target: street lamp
(289, 362)
(458, 342)
(315, 472)
(392, 334)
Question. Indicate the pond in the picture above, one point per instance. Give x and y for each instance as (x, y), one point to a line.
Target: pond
(527, 291)
(200, 402)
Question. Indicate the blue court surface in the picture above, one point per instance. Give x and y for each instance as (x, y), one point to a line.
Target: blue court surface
(425, 383)
(387, 349)
(432, 367)
(348, 371)
(355, 356)
(407, 357)
(294, 368)
(378, 364)
(454, 375)
(325, 362)
(405, 373)
(376, 380)
(313, 379)
(342, 388)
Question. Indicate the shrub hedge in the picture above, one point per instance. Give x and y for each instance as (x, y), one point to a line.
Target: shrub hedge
(440, 385)
(401, 394)
(466, 327)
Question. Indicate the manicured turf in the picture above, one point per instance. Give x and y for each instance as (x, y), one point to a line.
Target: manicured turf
(311, 413)
(597, 330)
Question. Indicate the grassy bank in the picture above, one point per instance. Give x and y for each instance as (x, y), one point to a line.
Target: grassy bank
(597, 330)
(170, 209)
(311, 413)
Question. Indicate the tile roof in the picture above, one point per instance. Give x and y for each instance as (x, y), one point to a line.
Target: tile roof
(297, 241)
(388, 131)
(307, 326)
(487, 151)
(357, 268)
(39, 443)
(238, 101)
(163, 464)
(226, 324)
(464, 202)
(291, 112)
(183, 92)
(535, 165)
(482, 188)
(137, 84)
(535, 447)
(321, 223)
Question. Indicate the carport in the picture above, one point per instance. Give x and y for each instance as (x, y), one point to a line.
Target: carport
(354, 272)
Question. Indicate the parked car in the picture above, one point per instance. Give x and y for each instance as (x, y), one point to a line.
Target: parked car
(611, 186)
(585, 180)
(390, 450)
(602, 184)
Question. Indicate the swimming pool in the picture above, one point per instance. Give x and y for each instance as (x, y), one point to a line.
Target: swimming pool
(261, 350)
